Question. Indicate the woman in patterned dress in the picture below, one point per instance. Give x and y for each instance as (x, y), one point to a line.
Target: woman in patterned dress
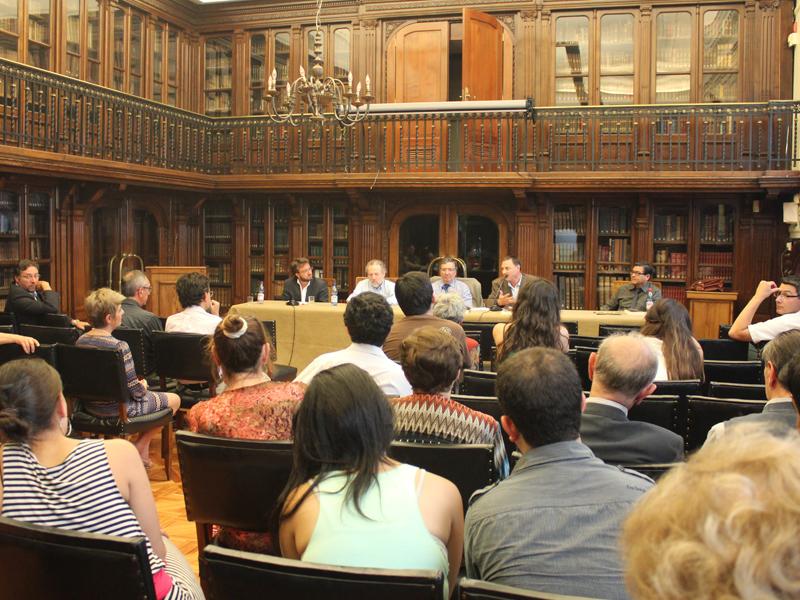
(251, 407)
(104, 309)
(95, 486)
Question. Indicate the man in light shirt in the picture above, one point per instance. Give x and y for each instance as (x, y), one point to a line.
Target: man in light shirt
(368, 318)
(505, 288)
(200, 312)
(787, 305)
(449, 283)
(375, 282)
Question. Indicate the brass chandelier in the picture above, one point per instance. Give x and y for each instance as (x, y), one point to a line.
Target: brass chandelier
(309, 97)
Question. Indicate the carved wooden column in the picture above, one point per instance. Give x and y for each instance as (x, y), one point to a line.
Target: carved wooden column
(240, 269)
(772, 43)
(241, 74)
(526, 237)
(181, 248)
(368, 54)
(297, 229)
(645, 45)
(78, 266)
(641, 225)
(544, 80)
(193, 78)
(525, 55)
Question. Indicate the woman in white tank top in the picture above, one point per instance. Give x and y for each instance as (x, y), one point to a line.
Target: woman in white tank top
(347, 503)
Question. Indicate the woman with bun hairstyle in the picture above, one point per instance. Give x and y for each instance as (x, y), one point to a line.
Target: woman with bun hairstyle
(94, 486)
(251, 407)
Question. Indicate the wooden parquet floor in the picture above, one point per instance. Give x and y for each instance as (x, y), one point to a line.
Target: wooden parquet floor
(169, 501)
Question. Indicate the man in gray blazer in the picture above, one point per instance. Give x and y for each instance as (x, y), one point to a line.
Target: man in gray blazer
(506, 287)
(779, 413)
(622, 372)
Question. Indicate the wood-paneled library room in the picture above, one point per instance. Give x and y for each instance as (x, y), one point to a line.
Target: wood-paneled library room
(262, 261)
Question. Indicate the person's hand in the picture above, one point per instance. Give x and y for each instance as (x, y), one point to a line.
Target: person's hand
(214, 307)
(505, 299)
(82, 325)
(43, 286)
(765, 289)
(28, 344)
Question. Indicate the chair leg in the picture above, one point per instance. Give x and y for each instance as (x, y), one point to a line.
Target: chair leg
(166, 455)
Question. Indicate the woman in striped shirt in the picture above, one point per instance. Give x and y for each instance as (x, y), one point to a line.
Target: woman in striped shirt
(96, 486)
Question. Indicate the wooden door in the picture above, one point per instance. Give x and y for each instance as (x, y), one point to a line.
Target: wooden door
(482, 79)
(417, 63)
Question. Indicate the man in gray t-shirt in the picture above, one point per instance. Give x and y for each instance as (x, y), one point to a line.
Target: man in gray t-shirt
(553, 524)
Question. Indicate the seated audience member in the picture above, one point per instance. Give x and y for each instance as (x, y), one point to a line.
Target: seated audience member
(136, 289)
(634, 295)
(347, 503)
(451, 307)
(251, 407)
(668, 330)
(449, 282)
(368, 318)
(506, 287)
(779, 412)
(535, 322)
(200, 313)
(787, 306)
(104, 308)
(302, 284)
(552, 525)
(93, 486)
(415, 297)
(375, 282)
(432, 363)
(30, 298)
(622, 372)
(722, 525)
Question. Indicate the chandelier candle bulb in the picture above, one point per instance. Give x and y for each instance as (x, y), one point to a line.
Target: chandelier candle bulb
(367, 82)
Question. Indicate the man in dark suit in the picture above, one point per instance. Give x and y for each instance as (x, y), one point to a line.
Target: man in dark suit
(30, 298)
(622, 372)
(506, 287)
(303, 285)
(779, 413)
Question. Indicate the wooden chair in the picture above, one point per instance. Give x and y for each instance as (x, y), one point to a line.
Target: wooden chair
(184, 356)
(743, 391)
(705, 412)
(580, 357)
(726, 349)
(586, 341)
(607, 330)
(231, 575)
(485, 340)
(469, 466)
(279, 372)
(231, 482)
(51, 335)
(478, 383)
(57, 320)
(136, 342)
(734, 371)
(96, 375)
(723, 331)
(472, 589)
(658, 410)
(46, 352)
(58, 564)
(488, 405)
(9, 319)
(571, 327)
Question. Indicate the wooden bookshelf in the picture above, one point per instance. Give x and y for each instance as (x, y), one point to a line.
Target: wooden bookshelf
(671, 251)
(569, 255)
(613, 258)
(218, 251)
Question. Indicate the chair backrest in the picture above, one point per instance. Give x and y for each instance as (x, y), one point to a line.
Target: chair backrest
(587, 341)
(182, 355)
(743, 391)
(571, 327)
(705, 412)
(56, 320)
(135, 340)
(92, 374)
(618, 283)
(479, 383)
(9, 319)
(272, 332)
(658, 410)
(232, 482)
(46, 352)
(607, 330)
(6, 329)
(488, 405)
(723, 349)
(653, 470)
(44, 562)
(723, 331)
(486, 340)
(231, 574)
(474, 289)
(50, 335)
(581, 359)
(734, 371)
(472, 589)
(469, 466)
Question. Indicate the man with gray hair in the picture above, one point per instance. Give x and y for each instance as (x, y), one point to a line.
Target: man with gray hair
(375, 282)
(779, 413)
(136, 289)
(622, 372)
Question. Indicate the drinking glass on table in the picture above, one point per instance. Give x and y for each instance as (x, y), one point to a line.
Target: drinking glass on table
(310, 299)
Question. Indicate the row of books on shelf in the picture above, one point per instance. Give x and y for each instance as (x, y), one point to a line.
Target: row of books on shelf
(716, 228)
(676, 292)
(570, 291)
(223, 295)
(673, 59)
(341, 231)
(218, 249)
(257, 265)
(281, 236)
(721, 271)
(218, 101)
(617, 250)
(38, 224)
(671, 265)
(40, 248)
(613, 221)
(281, 264)
(39, 28)
(604, 286)
(716, 258)
(670, 228)
(39, 201)
(343, 250)
(568, 252)
(316, 230)
(219, 274)
(9, 250)
(572, 219)
(218, 230)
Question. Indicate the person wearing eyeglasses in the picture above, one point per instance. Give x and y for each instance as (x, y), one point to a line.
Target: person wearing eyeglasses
(787, 306)
(136, 288)
(634, 295)
(30, 297)
(200, 312)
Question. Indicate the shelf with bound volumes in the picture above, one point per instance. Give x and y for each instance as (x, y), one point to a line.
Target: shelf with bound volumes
(670, 251)
(613, 257)
(257, 248)
(218, 250)
(715, 243)
(569, 255)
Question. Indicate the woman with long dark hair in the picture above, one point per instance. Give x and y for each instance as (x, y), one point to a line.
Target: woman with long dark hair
(535, 321)
(347, 503)
(668, 329)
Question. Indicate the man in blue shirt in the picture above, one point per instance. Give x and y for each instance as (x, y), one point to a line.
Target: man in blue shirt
(375, 282)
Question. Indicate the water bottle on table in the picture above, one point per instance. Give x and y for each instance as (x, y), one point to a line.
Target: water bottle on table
(334, 295)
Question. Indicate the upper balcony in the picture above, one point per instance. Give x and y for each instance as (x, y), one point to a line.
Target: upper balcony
(48, 121)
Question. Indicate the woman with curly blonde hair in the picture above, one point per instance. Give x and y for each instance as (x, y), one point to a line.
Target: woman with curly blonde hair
(723, 525)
